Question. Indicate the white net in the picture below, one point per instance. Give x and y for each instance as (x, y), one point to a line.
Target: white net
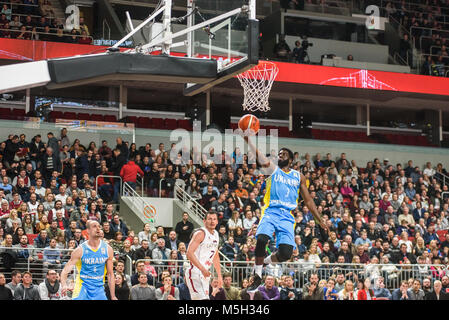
(257, 83)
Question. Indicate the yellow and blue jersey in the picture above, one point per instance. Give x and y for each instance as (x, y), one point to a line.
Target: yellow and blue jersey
(282, 191)
(281, 198)
(91, 273)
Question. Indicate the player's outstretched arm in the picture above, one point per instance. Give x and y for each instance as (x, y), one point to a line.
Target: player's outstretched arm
(217, 267)
(310, 204)
(110, 271)
(263, 160)
(197, 238)
(75, 256)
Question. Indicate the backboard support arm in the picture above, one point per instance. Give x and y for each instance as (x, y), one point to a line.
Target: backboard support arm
(167, 36)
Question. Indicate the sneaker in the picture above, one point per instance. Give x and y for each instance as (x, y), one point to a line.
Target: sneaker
(257, 281)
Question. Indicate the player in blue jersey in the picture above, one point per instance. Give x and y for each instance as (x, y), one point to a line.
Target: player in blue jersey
(92, 261)
(283, 188)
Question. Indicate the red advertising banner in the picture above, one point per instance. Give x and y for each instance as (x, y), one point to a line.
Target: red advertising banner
(363, 79)
(30, 50)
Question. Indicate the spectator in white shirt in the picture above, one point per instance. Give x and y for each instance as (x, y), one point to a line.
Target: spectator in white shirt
(40, 190)
(249, 220)
(159, 151)
(62, 195)
(235, 221)
(429, 171)
(33, 203)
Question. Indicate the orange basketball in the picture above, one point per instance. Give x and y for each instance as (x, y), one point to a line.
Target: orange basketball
(249, 121)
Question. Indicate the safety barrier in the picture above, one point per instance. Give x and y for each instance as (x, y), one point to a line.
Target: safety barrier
(393, 274)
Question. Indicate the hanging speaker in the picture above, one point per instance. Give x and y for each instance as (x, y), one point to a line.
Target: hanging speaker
(301, 125)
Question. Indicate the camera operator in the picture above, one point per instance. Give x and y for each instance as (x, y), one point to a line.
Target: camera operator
(281, 49)
(297, 52)
(300, 54)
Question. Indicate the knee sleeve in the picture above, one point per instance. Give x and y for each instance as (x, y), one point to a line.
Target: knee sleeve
(262, 241)
(284, 252)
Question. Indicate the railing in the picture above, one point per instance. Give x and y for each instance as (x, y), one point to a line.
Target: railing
(138, 200)
(108, 176)
(408, 5)
(108, 28)
(128, 266)
(421, 41)
(40, 263)
(339, 7)
(13, 13)
(398, 58)
(189, 203)
(141, 183)
(393, 274)
(433, 47)
(54, 36)
(17, 4)
(432, 30)
(439, 176)
(400, 26)
(422, 57)
(176, 268)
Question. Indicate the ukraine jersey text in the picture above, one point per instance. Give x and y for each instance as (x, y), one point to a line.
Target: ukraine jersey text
(281, 198)
(90, 273)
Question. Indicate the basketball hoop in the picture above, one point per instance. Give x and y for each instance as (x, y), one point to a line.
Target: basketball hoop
(257, 83)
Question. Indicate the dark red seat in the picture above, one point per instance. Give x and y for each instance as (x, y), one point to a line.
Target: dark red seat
(144, 122)
(84, 116)
(157, 123)
(70, 115)
(5, 113)
(96, 117)
(284, 132)
(131, 119)
(110, 118)
(171, 124)
(18, 114)
(53, 115)
(185, 124)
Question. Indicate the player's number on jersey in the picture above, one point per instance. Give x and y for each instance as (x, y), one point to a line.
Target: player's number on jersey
(210, 257)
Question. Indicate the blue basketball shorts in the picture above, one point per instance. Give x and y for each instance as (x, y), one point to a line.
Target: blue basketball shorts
(91, 294)
(280, 222)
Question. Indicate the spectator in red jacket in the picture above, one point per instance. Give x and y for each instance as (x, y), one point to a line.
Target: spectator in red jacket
(365, 293)
(129, 173)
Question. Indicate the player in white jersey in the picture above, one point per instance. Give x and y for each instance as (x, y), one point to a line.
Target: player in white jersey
(202, 253)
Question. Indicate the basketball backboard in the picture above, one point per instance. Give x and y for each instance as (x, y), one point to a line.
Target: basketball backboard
(223, 30)
(233, 41)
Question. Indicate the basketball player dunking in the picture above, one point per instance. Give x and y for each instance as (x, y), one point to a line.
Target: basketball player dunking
(92, 259)
(283, 188)
(202, 253)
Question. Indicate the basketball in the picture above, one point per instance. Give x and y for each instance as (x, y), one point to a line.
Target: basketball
(249, 121)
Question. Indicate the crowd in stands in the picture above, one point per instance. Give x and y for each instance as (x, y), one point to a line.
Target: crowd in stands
(422, 24)
(427, 22)
(33, 20)
(388, 221)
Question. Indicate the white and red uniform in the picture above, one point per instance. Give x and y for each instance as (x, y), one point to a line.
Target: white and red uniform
(199, 285)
